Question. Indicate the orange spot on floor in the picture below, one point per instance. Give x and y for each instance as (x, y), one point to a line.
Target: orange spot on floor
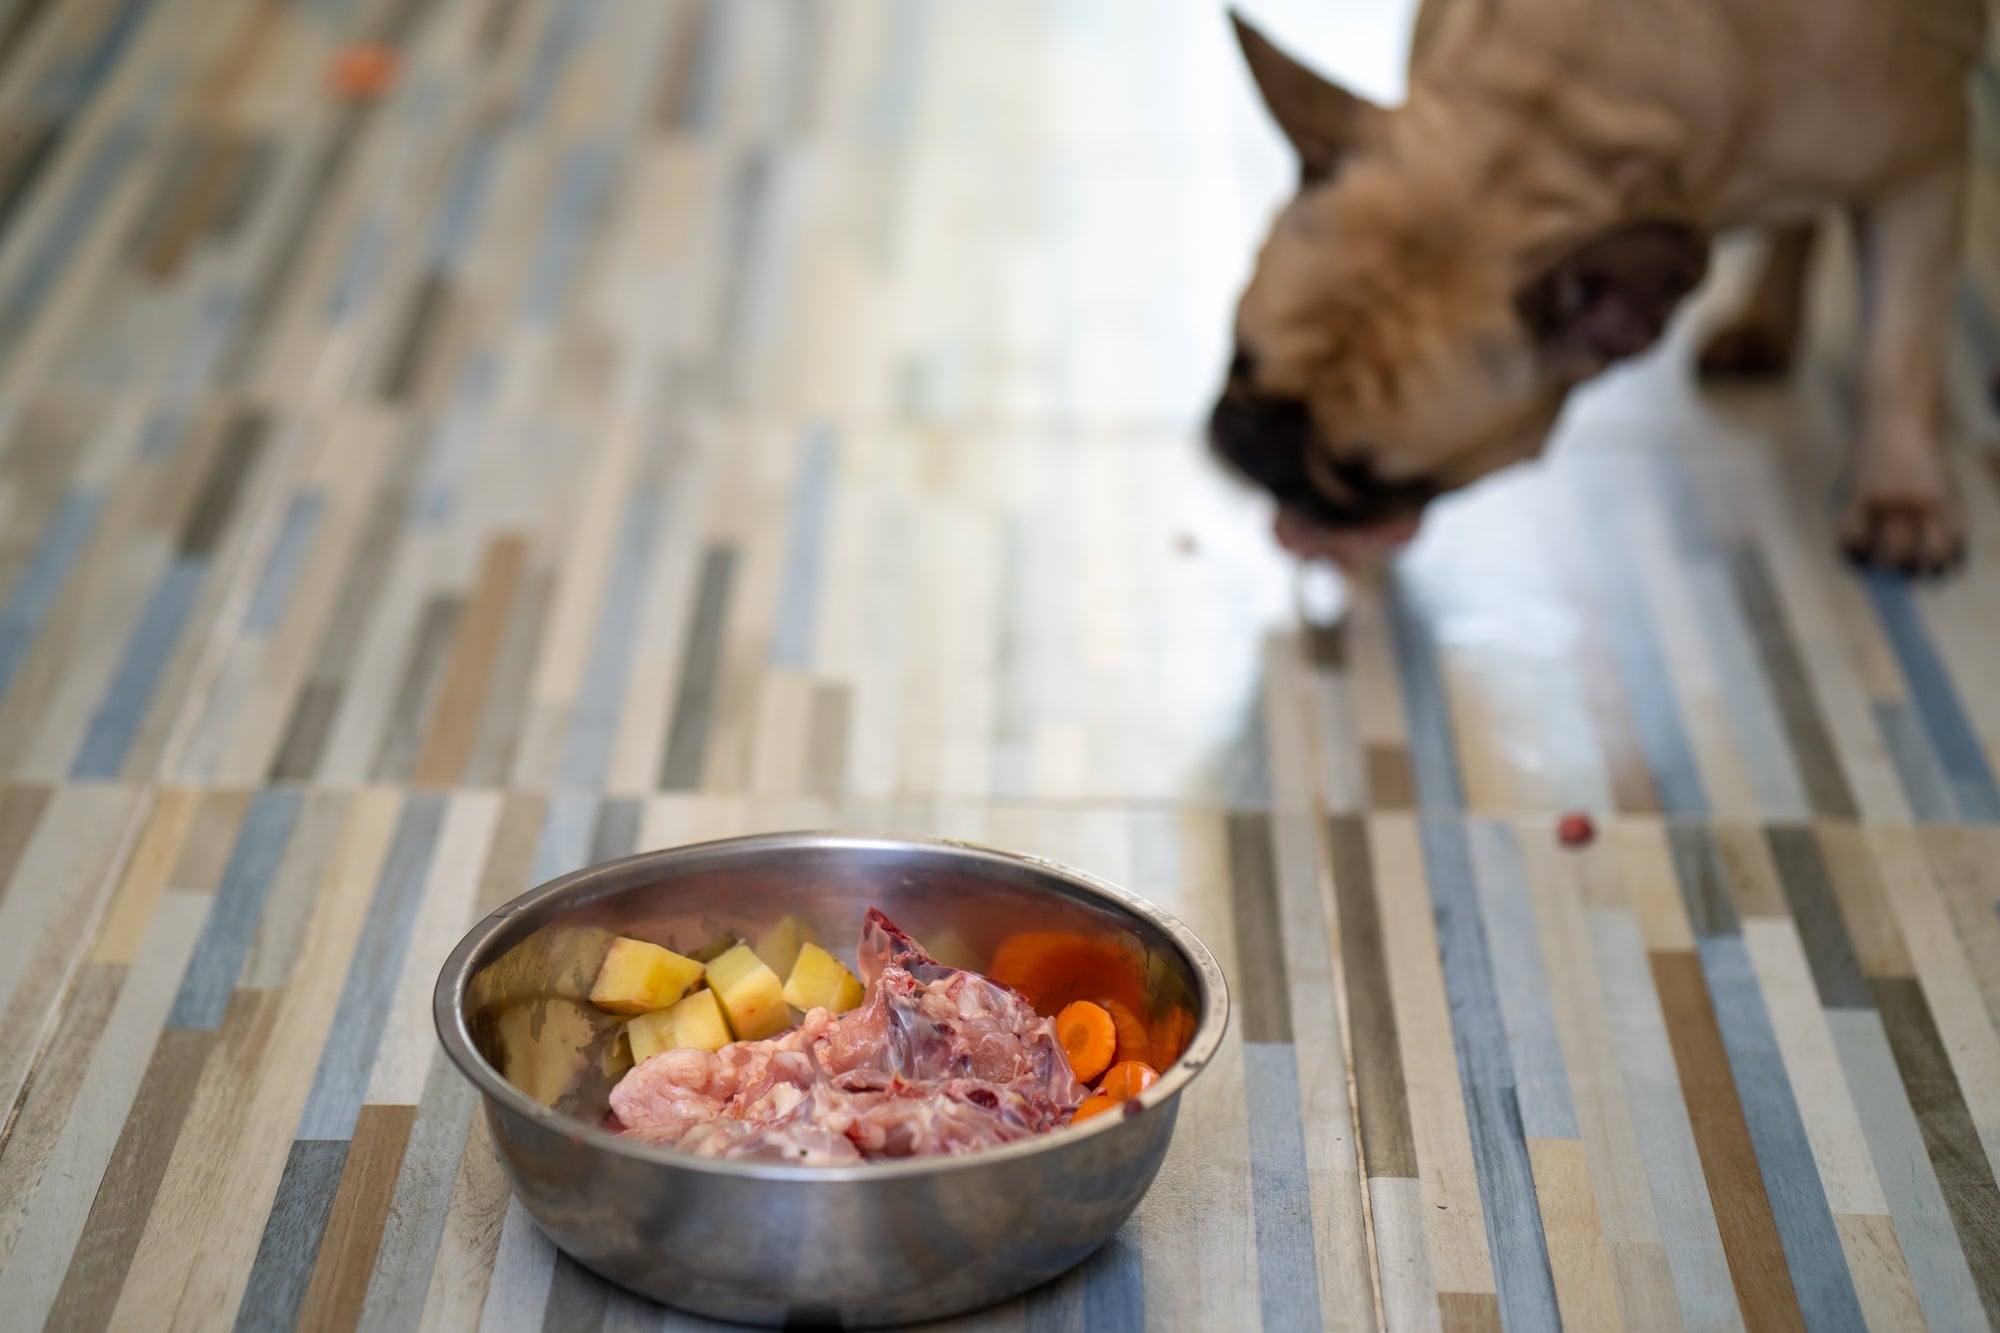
(362, 73)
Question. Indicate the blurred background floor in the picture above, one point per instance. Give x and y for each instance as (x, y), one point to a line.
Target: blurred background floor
(655, 421)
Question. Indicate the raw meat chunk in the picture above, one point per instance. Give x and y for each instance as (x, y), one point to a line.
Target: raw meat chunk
(936, 1060)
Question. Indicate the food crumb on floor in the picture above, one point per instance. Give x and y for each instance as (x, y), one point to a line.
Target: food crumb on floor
(362, 73)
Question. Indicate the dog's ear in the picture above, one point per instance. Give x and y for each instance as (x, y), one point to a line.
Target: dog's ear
(1611, 297)
(1322, 119)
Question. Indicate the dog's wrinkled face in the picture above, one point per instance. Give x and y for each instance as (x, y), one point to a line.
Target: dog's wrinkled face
(1378, 360)
(1395, 341)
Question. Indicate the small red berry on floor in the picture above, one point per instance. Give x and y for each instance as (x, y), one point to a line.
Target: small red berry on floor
(362, 73)
(1575, 829)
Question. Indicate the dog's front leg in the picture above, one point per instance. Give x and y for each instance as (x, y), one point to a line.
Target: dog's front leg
(1902, 511)
(1758, 340)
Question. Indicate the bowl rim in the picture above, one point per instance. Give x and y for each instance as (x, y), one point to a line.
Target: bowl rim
(454, 1033)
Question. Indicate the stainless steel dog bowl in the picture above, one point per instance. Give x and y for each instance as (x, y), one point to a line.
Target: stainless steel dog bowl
(879, 1243)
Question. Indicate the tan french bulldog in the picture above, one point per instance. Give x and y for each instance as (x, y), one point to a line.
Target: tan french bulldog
(1542, 201)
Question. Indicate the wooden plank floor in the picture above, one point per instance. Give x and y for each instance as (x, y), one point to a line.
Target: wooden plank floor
(656, 420)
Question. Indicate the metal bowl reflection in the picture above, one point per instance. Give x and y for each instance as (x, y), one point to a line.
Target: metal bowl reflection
(880, 1243)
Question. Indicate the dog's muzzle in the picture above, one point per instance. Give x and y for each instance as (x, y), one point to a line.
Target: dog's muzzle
(1267, 439)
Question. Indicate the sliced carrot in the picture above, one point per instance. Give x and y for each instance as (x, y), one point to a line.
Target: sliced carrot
(1127, 1079)
(1088, 1037)
(1097, 1105)
(1133, 1043)
(1052, 968)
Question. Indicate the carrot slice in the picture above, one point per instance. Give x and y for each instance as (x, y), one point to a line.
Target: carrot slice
(1053, 968)
(1097, 1105)
(1132, 1041)
(1088, 1037)
(1127, 1079)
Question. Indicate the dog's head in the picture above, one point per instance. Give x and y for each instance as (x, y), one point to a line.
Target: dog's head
(1415, 321)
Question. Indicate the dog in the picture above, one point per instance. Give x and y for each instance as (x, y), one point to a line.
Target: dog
(1542, 201)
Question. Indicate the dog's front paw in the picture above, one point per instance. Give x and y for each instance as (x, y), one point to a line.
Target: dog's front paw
(1747, 349)
(1903, 519)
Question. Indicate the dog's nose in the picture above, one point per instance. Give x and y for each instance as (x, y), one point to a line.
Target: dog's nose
(1242, 368)
(1268, 441)
(1265, 439)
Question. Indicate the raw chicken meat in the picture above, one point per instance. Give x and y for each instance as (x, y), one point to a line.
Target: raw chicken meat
(936, 1060)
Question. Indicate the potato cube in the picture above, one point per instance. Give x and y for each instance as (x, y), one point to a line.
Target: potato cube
(752, 997)
(638, 978)
(819, 981)
(779, 946)
(695, 1023)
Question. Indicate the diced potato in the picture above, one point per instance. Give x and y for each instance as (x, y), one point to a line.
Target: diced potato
(638, 978)
(752, 997)
(696, 1022)
(779, 946)
(819, 981)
